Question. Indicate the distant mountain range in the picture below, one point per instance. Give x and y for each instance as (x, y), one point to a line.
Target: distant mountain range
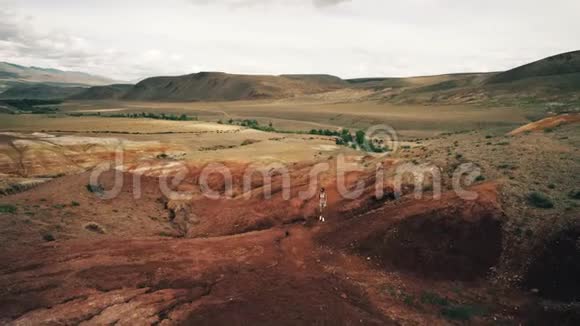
(10, 72)
(44, 82)
(551, 79)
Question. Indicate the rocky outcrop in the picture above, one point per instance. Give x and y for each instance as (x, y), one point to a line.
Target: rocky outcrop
(547, 123)
(182, 216)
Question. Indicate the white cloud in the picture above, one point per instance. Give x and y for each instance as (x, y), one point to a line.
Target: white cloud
(325, 3)
(137, 38)
(251, 3)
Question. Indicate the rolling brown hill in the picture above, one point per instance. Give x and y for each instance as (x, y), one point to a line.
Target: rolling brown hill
(40, 91)
(107, 92)
(414, 82)
(564, 63)
(553, 79)
(217, 86)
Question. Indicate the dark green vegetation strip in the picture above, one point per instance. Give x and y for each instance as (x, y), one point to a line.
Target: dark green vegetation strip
(343, 137)
(32, 105)
(7, 208)
(142, 115)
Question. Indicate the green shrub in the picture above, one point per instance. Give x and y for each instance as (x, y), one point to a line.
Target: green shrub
(249, 142)
(376, 149)
(462, 312)
(7, 208)
(95, 189)
(574, 194)
(166, 234)
(327, 132)
(409, 299)
(540, 200)
(346, 136)
(360, 137)
(480, 178)
(48, 237)
(529, 233)
(75, 204)
(434, 299)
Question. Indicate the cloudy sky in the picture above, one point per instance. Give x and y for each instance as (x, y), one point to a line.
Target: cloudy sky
(131, 39)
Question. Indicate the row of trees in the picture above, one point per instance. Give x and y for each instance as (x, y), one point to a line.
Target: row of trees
(142, 115)
(33, 106)
(251, 123)
(162, 116)
(360, 141)
(343, 137)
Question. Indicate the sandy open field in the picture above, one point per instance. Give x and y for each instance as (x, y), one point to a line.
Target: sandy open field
(408, 120)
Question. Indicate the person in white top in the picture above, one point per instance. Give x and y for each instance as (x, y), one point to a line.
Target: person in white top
(380, 180)
(322, 204)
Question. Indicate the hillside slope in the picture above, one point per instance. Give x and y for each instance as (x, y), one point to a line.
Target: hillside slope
(328, 80)
(107, 92)
(564, 63)
(412, 82)
(553, 79)
(40, 91)
(217, 86)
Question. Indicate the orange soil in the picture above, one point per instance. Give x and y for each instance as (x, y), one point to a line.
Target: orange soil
(287, 274)
(546, 123)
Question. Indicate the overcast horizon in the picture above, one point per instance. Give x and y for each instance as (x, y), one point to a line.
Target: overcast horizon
(347, 38)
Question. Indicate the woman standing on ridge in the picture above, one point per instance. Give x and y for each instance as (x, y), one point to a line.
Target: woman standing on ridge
(322, 204)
